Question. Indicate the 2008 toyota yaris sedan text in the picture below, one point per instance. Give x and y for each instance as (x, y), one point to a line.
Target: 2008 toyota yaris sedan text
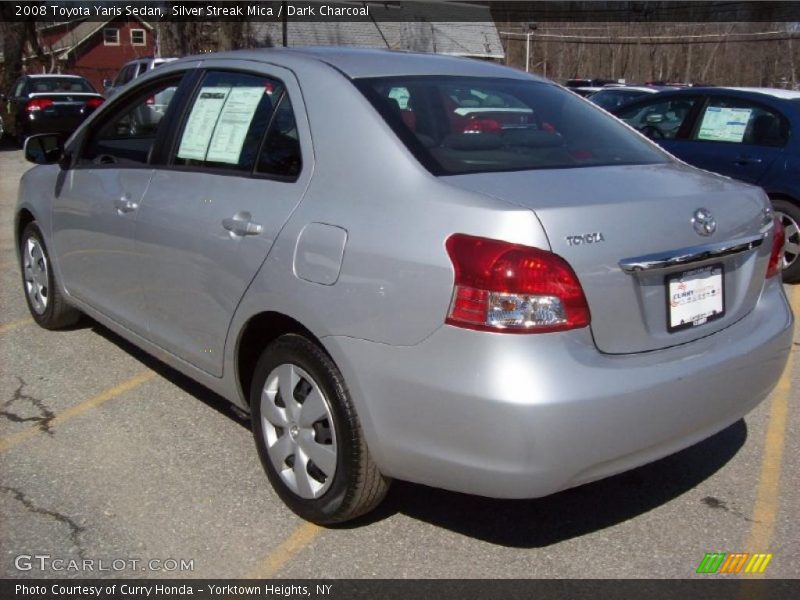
(410, 266)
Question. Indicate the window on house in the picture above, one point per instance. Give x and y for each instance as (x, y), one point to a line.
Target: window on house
(111, 36)
(138, 37)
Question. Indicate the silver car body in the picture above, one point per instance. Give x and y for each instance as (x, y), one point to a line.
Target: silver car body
(354, 252)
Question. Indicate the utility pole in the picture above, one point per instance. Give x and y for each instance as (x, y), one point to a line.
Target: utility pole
(531, 29)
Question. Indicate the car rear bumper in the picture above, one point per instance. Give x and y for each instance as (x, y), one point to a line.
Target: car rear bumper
(518, 416)
(36, 124)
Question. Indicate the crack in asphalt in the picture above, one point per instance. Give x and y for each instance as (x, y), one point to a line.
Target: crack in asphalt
(75, 530)
(713, 502)
(45, 414)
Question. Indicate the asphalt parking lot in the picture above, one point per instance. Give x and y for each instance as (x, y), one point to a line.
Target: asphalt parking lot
(105, 453)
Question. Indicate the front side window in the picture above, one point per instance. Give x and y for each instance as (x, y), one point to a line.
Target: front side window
(740, 121)
(227, 120)
(456, 125)
(111, 36)
(659, 119)
(127, 136)
(18, 87)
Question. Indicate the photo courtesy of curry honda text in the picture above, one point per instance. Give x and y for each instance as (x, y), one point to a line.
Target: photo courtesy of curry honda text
(411, 267)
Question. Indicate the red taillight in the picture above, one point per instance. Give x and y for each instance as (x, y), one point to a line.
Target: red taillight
(94, 102)
(151, 100)
(38, 104)
(776, 256)
(475, 125)
(513, 288)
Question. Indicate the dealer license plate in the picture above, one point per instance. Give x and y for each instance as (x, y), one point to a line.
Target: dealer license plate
(695, 297)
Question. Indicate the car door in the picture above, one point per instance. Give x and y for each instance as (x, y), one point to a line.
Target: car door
(213, 212)
(737, 137)
(665, 118)
(95, 209)
(14, 106)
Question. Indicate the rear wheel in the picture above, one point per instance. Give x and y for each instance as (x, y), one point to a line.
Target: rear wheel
(308, 435)
(789, 214)
(45, 301)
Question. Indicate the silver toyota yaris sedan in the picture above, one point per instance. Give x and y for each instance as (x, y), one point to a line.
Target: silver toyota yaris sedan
(410, 266)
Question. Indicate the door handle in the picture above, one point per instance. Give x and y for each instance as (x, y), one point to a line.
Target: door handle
(241, 224)
(747, 160)
(125, 205)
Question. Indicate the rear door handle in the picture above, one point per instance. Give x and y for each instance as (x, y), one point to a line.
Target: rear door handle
(125, 205)
(241, 224)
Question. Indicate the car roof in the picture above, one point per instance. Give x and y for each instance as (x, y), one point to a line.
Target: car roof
(367, 62)
(776, 92)
(738, 91)
(50, 75)
(635, 88)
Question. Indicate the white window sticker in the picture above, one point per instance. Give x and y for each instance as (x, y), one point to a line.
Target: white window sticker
(202, 121)
(724, 124)
(233, 124)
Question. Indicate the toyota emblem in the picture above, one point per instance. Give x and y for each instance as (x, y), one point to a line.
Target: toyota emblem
(704, 222)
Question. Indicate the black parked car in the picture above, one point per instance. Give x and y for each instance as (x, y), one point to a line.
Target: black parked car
(46, 104)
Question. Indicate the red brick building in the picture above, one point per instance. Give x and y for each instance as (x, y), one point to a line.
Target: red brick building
(96, 50)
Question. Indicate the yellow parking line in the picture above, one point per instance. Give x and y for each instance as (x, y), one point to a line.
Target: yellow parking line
(767, 502)
(275, 560)
(12, 325)
(15, 439)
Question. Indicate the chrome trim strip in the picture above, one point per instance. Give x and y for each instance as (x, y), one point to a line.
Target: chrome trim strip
(687, 256)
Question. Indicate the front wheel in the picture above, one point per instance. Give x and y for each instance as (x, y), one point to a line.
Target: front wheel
(308, 435)
(789, 215)
(45, 301)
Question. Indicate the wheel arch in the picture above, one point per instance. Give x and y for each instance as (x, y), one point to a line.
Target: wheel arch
(21, 220)
(257, 333)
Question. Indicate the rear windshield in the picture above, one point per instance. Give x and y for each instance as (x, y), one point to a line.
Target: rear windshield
(456, 125)
(611, 99)
(49, 85)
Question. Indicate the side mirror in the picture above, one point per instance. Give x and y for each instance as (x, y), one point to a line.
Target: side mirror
(44, 149)
(107, 83)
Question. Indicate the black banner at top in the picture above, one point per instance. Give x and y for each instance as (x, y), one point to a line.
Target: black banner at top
(398, 11)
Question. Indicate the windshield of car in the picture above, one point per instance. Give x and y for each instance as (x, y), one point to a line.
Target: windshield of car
(48, 85)
(610, 99)
(456, 125)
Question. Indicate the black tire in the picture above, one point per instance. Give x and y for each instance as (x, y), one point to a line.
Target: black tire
(790, 216)
(57, 313)
(356, 486)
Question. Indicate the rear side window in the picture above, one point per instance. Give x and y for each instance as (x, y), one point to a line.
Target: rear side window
(280, 155)
(739, 121)
(458, 125)
(226, 121)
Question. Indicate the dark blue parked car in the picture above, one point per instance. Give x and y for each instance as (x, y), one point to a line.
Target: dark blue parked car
(751, 134)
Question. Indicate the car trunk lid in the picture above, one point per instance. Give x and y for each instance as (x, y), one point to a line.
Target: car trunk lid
(66, 104)
(601, 217)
